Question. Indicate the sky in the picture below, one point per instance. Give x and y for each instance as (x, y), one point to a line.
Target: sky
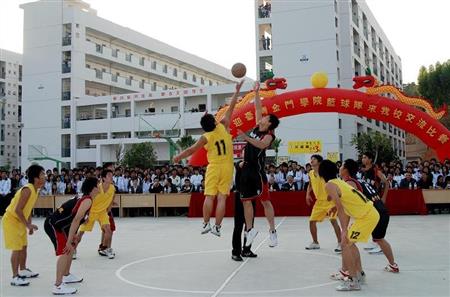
(224, 31)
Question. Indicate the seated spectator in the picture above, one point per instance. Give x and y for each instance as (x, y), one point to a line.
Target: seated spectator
(440, 183)
(169, 187)
(156, 186)
(273, 186)
(391, 181)
(135, 185)
(69, 189)
(187, 187)
(425, 181)
(408, 182)
(447, 182)
(290, 185)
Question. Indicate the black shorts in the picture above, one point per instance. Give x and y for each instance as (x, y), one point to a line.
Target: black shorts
(57, 237)
(253, 184)
(380, 229)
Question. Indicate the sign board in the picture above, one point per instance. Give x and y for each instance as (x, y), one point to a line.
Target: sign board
(238, 148)
(305, 147)
(333, 156)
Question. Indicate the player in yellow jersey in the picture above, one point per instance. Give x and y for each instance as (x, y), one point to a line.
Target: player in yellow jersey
(218, 143)
(17, 220)
(350, 204)
(322, 206)
(101, 205)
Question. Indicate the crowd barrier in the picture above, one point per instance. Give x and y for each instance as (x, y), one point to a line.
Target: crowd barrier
(285, 203)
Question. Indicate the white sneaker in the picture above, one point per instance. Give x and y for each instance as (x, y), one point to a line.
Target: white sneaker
(376, 250)
(251, 236)
(71, 279)
(338, 249)
(74, 255)
(370, 246)
(349, 285)
(110, 254)
(18, 281)
(62, 289)
(339, 276)
(27, 273)
(273, 239)
(313, 246)
(216, 230)
(206, 228)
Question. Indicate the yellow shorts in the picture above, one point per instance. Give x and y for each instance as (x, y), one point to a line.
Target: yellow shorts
(320, 211)
(361, 229)
(218, 179)
(14, 233)
(102, 218)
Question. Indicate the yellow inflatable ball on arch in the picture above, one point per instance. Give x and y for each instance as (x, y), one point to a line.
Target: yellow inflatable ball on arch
(319, 80)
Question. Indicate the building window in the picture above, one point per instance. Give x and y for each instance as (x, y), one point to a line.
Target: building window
(154, 86)
(210, 82)
(194, 78)
(165, 69)
(154, 65)
(141, 61)
(340, 123)
(174, 109)
(341, 142)
(202, 80)
(184, 75)
(336, 22)
(175, 72)
(128, 57)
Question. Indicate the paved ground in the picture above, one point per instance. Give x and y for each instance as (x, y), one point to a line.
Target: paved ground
(168, 257)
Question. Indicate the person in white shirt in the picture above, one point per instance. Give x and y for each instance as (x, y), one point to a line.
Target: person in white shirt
(176, 180)
(398, 176)
(281, 176)
(61, 187)
(147, 184)
(196, 179)
(23, 181)
(5, 185)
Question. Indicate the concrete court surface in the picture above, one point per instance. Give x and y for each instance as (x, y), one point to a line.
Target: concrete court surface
(168, 257)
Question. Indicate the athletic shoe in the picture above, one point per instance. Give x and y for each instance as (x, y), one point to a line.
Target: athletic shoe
(338, 249)
(237, 258)
(251, 235)
(110, 253)
(273, 239)
(361, 277)
(349, 285)
(62, 289)
(18, 281)
(370, 246)
(392, 268)
(206, 228)
(103, 253)
(27, 273)
(248, 254)
(74, 255)
(313, 246)
(339, 276)
(376, 250)
(71, 279)
(216, 230)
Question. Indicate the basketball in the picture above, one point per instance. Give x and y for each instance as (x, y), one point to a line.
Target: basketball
(238, 70)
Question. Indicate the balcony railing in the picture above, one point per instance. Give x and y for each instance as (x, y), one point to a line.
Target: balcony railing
(114, 77)
(66, 95)
(67, 40)
(128, 81)
(98, 74)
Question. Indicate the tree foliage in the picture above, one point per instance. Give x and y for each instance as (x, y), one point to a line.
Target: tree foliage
(434, 83)
(276, 146)
(411, 89)
(377, 143)
(140, 155)
(185, 142)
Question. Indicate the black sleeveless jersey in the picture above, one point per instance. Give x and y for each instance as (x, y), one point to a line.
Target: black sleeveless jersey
(253, 156)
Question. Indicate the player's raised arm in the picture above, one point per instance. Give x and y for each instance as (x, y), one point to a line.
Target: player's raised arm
(227, 117)
(257, 100)
(202, 141)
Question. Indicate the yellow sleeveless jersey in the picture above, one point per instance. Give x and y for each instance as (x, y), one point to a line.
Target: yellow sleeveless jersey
(103, 199)
(219, 146)
(356, 205)
(318, 186)
(11, 210)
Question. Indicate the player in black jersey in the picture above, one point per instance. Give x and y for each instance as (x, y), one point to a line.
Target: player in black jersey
(253, 176)
(62, 226)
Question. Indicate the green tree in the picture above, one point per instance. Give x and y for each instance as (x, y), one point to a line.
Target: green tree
(434, 83)
(185, 142)
(140, 155)
(377, 143)
(411, 89)
(276, 146)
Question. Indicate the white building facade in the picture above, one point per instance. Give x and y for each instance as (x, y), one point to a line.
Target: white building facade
(294, 39)
(76, 62)
(10, 108)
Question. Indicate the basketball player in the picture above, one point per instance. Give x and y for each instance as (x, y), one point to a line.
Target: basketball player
(61, 227)
(350, 204)
(99, 213)
(219, 173)
(322, 206)
(16, 221)
(253, 177)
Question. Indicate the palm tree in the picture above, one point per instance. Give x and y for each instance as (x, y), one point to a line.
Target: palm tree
(276, 146)
(185, 142)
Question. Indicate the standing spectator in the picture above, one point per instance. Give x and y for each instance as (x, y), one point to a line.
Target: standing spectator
(5, 191)
(268, 45)
(196, 180)
(408, 182)
(263, 40)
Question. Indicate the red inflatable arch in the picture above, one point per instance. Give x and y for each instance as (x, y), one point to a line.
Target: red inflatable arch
(406, 117)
